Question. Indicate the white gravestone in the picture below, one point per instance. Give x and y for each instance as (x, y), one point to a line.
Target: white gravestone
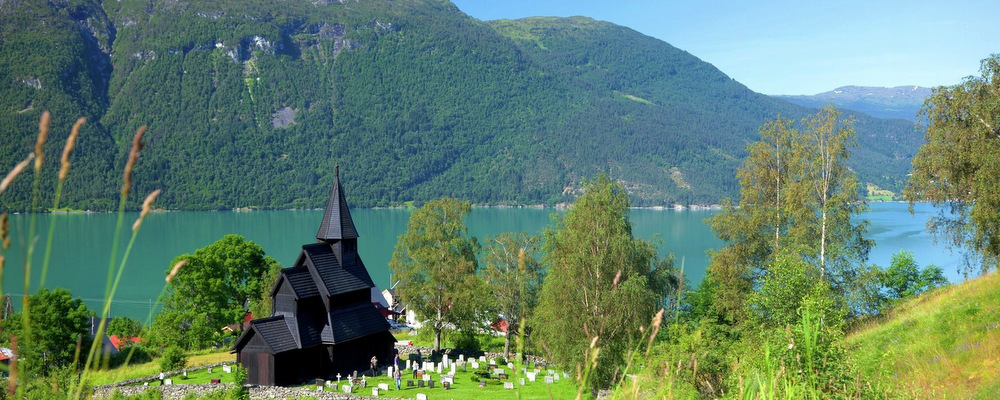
(347, 388)
(522, 381)
(228, 369)
(548, 379)
(508, 385)
(383, 386)
(510, 366)
(453, 369)
(374, 392)
(168, 382)
(421, 396)
(531, 376)
(556, 377)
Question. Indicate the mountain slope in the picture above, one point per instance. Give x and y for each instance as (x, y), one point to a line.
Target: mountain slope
(902, 102)
(252, 104)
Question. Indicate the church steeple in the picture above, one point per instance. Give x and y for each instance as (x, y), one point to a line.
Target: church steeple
(337, 223)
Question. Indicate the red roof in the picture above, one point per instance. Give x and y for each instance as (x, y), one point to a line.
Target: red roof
(117, 341)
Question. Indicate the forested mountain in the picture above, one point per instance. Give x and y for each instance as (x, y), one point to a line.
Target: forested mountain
(252, 104)
(901, 102)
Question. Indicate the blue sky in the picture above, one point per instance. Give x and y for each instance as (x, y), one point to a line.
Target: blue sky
(800, 47)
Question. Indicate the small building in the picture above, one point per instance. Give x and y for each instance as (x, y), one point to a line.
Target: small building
(323, 321)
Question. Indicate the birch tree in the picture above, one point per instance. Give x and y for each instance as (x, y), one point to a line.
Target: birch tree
(435, 262)
(957, 167)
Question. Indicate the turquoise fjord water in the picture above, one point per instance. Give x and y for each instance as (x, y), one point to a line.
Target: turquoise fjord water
(82, 244)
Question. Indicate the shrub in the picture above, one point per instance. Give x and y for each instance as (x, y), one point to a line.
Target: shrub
(173, 359)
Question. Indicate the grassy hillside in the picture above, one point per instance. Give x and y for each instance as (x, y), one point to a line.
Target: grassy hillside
(253, 103)
(944, 344)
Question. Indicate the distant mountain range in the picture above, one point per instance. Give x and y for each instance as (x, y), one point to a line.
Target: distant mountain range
(901, 102)
(253, 103)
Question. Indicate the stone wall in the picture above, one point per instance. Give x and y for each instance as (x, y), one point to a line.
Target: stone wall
(167, 392)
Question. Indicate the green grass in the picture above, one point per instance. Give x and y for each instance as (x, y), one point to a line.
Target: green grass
(115, 375)
(943, 344)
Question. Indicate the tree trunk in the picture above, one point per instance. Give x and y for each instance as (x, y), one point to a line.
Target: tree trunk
(437, 332)
(506, 345)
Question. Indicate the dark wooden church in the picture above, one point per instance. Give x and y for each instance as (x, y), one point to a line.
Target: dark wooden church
(323, 322)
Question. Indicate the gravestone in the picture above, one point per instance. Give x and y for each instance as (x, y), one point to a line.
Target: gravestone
(209, 370)
(383, 386)
(227, 368)
(427, 377)
(408, 366)
(482, 383)
(500, 371)
(439, 367)
(430, 384)
(374, 392)
(216, 381)
(453, 369)
(531, 376)
(346, 389)
(510, 366)
(521, 380)
(421, 396)
(461, 357)
(493, 361)
(475, 365)
(503, 376)
(556, 377)
(409, 383)
(548, 379)
(421, 384)
(565, 375)
(446, 385)
(168, 382)
(482, 359)
(508, 385)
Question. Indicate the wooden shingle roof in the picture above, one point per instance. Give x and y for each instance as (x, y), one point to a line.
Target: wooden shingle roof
(352, 322)
(337, 223)
(335, 279)
(302, 282)
(274, 331)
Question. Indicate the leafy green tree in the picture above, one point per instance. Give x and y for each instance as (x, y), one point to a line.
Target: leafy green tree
(597, 285)
(185, 329)
(435, 263)
(174, 358)
(261, 307)
(211, 291)
(514, 277)
(957, 166)
(124, 327)
(58, 323)
(905, 279)
(797, 195)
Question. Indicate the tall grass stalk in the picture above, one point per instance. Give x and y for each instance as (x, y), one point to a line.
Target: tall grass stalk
(63, 171)
(43, 133)
(137, 146)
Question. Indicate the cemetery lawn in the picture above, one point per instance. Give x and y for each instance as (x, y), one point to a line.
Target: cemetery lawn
(466, 387)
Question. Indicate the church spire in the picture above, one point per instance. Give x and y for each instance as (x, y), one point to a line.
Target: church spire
(337, 223)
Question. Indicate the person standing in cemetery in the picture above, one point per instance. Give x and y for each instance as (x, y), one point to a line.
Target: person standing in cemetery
(374, 363)
(397, 377)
